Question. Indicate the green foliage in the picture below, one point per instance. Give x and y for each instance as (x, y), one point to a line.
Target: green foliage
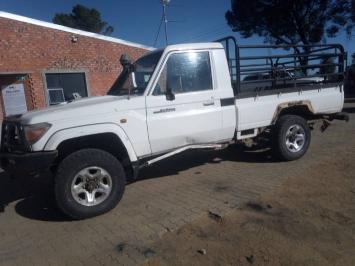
(83, 18)
(342, 14)
(291, 21)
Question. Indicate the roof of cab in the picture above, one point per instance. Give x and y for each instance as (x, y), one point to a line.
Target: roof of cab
(194, 46)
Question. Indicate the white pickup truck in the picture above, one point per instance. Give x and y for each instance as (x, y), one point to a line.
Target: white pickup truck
(186, 96)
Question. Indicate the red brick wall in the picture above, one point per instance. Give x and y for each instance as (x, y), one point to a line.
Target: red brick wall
(34, 49)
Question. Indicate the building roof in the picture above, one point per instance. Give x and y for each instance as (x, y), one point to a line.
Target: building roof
(71, 30)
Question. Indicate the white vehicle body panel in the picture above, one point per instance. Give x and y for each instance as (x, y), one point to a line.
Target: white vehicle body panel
(224, 90)
(75, 132)
(104, 110)
(188, 122)
(259, 111)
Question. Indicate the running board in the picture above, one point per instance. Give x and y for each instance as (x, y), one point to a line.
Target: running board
(185, 148)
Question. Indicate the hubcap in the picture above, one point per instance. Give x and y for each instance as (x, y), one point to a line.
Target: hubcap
(295, 138)
(91, 186)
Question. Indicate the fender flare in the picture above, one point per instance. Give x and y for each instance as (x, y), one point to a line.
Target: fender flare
(69, 133)
(285, 105)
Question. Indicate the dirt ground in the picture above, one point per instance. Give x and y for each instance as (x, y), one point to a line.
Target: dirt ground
(308, 220)
(234, 206)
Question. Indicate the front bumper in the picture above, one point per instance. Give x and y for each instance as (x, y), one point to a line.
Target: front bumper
(26, 163)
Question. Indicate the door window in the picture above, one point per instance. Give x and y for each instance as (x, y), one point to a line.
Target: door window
(185, 72)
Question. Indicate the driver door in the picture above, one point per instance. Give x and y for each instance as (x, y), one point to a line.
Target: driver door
(192, 115)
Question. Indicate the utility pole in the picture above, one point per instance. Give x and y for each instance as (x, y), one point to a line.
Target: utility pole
(165, 3)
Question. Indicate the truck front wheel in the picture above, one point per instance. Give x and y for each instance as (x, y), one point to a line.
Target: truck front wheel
(291, 137)
(89, 182)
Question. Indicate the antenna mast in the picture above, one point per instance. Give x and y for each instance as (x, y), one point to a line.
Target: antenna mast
(165, 3)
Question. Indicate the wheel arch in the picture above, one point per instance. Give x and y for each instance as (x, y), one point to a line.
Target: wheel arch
(300, 108)
(108, 137)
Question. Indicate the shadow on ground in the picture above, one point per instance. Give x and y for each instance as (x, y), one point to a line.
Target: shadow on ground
(349, 109)
(35, 195)
(349, 100)
(193, 158)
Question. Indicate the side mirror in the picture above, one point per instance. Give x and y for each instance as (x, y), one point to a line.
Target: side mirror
(169, 95)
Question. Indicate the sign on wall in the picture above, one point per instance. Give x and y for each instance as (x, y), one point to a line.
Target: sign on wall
(14, 99)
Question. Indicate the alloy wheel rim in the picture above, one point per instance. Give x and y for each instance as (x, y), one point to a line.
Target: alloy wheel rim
(295, 138)
(91, 186)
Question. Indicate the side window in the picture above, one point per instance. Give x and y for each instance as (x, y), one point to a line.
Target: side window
(185, 72)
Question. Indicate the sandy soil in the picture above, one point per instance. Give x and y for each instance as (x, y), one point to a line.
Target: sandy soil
(308, 220)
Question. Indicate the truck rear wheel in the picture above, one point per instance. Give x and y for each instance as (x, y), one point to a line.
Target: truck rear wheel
(89, 182)
(291, 137)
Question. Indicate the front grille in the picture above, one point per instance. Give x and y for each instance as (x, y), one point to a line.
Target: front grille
(13, 137)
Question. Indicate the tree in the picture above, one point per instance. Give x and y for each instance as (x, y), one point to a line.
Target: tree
(291, 21)
(343, 14)
(83, 18)
(353, 59)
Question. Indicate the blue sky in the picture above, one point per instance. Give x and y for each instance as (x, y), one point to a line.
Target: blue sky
(138, 20)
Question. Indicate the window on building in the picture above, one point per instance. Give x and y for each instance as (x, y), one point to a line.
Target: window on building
(185, 72)
(63, 87)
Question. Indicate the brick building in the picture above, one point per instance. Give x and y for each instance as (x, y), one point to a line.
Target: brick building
(43, 63)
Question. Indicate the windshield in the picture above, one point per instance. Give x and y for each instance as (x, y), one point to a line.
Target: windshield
(135, 81)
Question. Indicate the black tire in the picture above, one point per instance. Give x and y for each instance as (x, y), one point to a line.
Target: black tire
(68, 170)
(280, 148)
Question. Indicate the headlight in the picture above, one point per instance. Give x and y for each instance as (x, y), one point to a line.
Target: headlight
(34, 132)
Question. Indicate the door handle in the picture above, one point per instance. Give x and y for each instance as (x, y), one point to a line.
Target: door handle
(208, 103)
